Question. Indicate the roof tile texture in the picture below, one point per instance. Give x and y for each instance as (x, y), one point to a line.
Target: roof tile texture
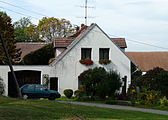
(28, 47)
(64, 42)
(149, 60)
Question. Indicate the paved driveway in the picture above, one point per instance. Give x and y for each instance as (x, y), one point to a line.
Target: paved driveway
(118, 107)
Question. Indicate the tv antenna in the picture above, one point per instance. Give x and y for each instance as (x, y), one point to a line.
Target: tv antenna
(86, 12)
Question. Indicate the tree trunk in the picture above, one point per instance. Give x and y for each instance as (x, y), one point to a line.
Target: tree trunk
(10, 66)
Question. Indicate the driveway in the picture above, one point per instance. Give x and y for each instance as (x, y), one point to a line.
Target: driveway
(118, 107)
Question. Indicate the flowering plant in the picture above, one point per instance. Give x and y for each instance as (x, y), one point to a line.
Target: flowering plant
(104, 61)
(86, 62)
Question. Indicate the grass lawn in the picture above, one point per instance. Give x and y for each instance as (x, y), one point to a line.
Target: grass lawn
(16, 109)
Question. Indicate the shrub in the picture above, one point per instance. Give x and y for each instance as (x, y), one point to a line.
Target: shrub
(79, 93)
(68, 93)
(155, 79)
(85, 98)
(1, 86)
(91, 80)
(113, 83)
(148, 97)
(164, 101)
(40, 56)
(98, 82)
(111, 102)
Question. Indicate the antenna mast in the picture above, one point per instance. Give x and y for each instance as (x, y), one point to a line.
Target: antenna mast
(86, 12)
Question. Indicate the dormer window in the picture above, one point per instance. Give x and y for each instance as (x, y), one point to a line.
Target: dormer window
(104, 54)
(86, 53)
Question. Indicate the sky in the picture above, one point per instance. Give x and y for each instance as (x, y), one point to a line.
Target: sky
(141, 22)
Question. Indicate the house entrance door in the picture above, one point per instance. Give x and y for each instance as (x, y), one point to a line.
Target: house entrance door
(54, 83)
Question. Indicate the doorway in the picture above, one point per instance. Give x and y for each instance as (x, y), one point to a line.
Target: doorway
(54, 83)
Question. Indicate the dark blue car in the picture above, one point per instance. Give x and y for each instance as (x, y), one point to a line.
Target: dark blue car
(38, 91)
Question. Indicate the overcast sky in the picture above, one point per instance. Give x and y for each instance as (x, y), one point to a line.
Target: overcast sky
(137, 20)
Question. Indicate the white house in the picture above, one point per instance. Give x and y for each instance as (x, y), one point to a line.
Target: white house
(91, 42)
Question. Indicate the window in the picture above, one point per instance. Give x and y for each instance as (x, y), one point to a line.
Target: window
(30, 87)
(103, 53)
(40, 87)
(86, 53)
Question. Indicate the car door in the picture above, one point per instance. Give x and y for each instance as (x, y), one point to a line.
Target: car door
(40, 91)
(28, 89)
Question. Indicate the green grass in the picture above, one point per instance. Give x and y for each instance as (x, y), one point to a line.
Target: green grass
(16, 109)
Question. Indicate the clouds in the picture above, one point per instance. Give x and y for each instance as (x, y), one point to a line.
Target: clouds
(144, 20)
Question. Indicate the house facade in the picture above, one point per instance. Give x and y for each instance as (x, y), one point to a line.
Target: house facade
(92, 43)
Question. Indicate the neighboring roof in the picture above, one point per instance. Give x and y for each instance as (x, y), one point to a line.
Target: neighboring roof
(62, 42)
(81, 36)
(28, 47)
(120, 42)
(149, 60)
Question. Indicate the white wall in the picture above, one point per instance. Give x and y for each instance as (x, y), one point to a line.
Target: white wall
(69, 68)
(59, 51)
(4, 69)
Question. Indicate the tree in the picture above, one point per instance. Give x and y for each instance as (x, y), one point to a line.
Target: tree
(50, 28)
(32, 33)
(8, 48)
(7, 32)
(19, 29)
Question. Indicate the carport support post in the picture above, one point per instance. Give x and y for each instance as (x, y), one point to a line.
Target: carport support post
(10, 66)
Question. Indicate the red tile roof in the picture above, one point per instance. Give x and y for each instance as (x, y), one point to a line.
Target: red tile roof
(149, 60)
(64, 42)
(120, 42)
(28, 47)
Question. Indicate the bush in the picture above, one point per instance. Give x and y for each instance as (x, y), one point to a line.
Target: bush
(79, 93)
(164, 101)
(111, 102)
(68, 93)
(148, 97)
(41, 56)
(1, 86)
(85, 98)
(99, 82)
(155, 79)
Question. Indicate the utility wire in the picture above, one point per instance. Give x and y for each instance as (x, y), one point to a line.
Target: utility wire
(139, 42)
(37, 13)
(136, 41)
(19, 13)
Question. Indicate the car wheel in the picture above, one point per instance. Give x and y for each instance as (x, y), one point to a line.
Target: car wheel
(25, 96)
(52, 97)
